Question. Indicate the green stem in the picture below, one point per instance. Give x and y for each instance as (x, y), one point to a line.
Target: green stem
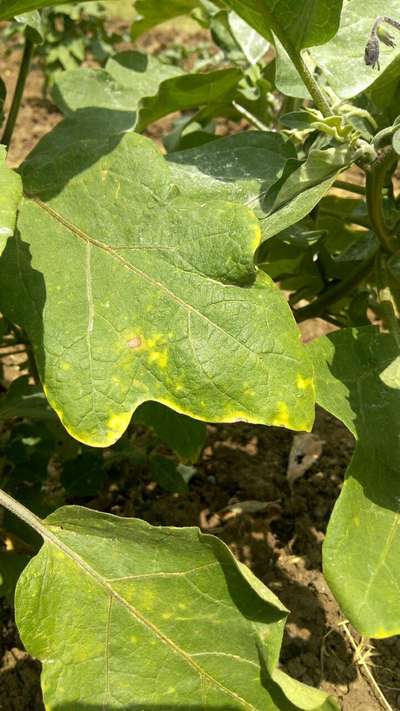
(18, 93)
(249, 117)
(375, 183)
(23, 513)
(387, 300)
(308, 80)
(350, 187)
(334, 293)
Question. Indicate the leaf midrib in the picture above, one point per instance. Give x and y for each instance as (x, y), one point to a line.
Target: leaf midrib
(130, 267)
(51, 538)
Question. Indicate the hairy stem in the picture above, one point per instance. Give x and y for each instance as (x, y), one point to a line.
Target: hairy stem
(334, 293)
(375, 183)
(18, 93)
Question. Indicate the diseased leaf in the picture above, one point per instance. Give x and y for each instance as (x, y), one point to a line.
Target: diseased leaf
(10, 196)
(358, 380)
(185, 436)
(171, 604)
(166, 301)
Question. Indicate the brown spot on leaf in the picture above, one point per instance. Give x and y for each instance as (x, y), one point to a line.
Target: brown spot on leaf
(135, 342)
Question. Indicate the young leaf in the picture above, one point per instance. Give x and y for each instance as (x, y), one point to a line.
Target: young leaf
(147, 604)
(167, 305)
(10, 196)
(358, 381)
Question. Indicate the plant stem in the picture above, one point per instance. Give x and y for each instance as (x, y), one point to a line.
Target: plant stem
(334, 293)
(18, 93)
(375, 183)
(23, 513)
(309, 81)
(249, 117)
(350, 187)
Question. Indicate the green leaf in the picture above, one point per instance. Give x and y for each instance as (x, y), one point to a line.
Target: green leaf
(126, 79)
(84, 475)
(304, 188)
(3, 94)
(11, 8)
(11, 567)
(242, 168)
(166, 473)
(358, 380)
(10, 196)
(134, 82)
(170, 604)
(342, 59)
(396, 141)
(252, 44)
(33, 26)
(301, 23)
(188, 92)
(185, 436)
(153, 12)
(166, 301)
(23, 399)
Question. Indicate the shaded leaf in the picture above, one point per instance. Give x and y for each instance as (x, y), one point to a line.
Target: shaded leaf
(167, 304)
(23, 399)
(171, 604)
(358, 381)
(10, 196)
(185, 436)
(166, 473)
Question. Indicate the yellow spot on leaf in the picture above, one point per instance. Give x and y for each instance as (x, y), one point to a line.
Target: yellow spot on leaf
(166, 615)
(256, 241)
(159, 357)
(103, 174)
(281, 419)
(65, 365)
(119, 423)
(356, 521)
(303, 383)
